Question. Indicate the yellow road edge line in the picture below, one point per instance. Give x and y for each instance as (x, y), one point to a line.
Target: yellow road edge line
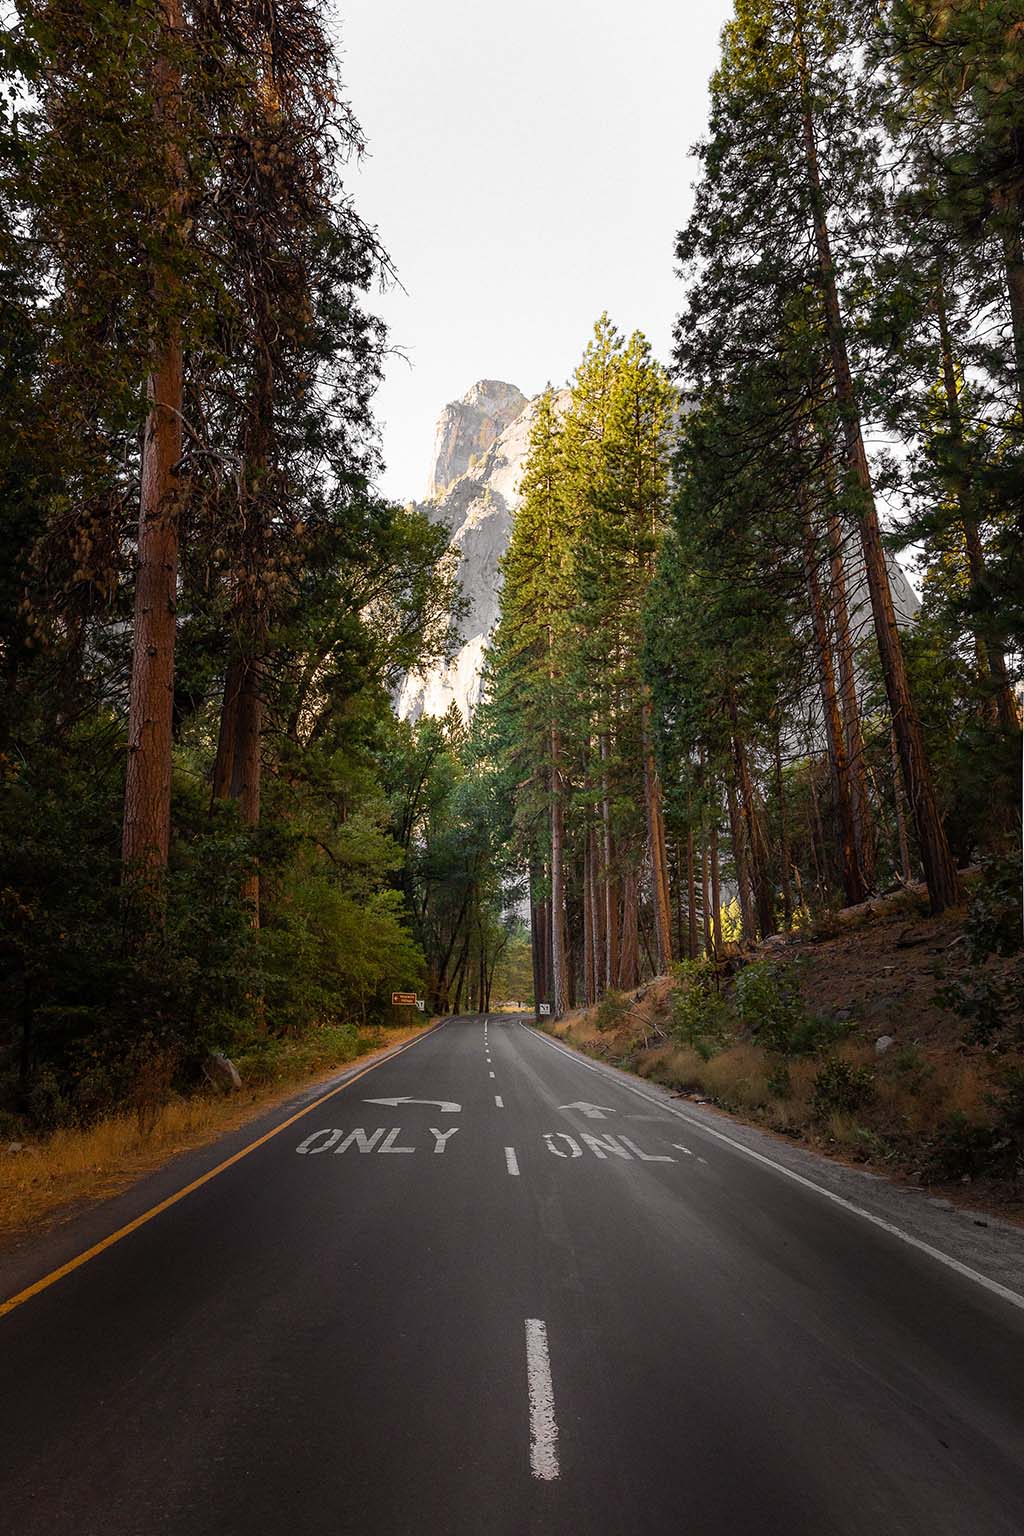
(140, 1221)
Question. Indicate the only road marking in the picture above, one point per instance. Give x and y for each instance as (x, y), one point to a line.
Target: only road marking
(446, 1106)
(46, 1281)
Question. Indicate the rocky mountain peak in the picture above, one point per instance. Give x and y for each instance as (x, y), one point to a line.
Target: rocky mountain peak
(466, 429)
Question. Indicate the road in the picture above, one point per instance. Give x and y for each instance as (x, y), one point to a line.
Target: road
(485, 1288)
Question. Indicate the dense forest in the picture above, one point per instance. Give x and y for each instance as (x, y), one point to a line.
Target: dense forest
(206, 606)
(711, 718)
(704, 719)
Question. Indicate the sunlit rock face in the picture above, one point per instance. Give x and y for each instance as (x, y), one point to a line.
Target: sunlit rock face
(481, 445)
(466, 428)
(478, 506)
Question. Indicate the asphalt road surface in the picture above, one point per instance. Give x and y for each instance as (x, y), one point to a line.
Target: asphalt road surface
(487, 1288)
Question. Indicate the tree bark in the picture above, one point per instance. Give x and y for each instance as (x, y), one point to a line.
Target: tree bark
(716, 890)
(863, 819)
(784, 853)
(611, 902)
(989, 646)
(705, 908)
(589, 992)
(901, 821)
(940, 870)
(748, 921)
(629, 952)
(691, 898)
(559, 962)
(854, 885)
(763, 896)
(537, 940)
(1013, 260)
(656, 843)
(146, 831)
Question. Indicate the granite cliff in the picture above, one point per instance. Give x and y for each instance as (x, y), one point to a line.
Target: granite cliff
(480, 447)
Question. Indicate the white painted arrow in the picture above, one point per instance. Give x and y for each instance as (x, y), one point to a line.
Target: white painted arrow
(592, 1111)
(444, 1105)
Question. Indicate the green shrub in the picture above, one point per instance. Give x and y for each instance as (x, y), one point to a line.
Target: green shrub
(611, 1010)
(768, 1002)
(962, 1147)
(780, 1085)
(992, 1007)
(995, 914)
(701, 1017)
(912, 1067)
(841, 1088)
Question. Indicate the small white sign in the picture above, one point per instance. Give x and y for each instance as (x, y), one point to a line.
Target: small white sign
(544, 1008)
(421, 1004)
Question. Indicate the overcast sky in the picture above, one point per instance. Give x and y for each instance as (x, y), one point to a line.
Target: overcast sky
(528, 167)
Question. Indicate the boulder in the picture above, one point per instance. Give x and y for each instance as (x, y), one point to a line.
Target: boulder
(221, 1072)
(884, 1043)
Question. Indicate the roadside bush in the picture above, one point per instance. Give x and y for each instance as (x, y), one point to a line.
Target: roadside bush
(993, 1008)
(702, 1019)
(995, 912)
(768, 1002)
(780, 1082)
(960, 1148)
(840, 1088)
(611, 1010)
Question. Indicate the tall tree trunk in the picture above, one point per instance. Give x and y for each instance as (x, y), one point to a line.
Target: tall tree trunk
(863, 818)
(748, 921)
(589, 989)
(716, 890)
(559, 959)
(146, 831)
(538, 939)
(629, 951)
(545, 954)
(940, 870)
(656, 843)
(691, 898)
(596, 910)
(611, 899)
(988, 644)
(680, 908)
(854, 886)
(784, 854)
(705, 899)
(237, 770)
(1013, 260)
(901, 821)
(763, 896)
(818, 852)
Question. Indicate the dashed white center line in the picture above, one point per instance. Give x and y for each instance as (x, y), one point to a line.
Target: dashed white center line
(490, 1074)
(512, 1162)
(499, 1101)
(680, 1148)
(543, 1426)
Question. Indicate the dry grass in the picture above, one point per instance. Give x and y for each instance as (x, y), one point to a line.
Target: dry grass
(75, 1165)
(738, 1077)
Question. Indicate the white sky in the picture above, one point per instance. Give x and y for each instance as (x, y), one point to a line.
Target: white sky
(528, 168)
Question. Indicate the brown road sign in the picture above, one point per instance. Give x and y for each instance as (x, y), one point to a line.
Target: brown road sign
(403, 999)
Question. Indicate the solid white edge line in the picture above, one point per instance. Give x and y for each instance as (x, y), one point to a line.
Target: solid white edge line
(543, 1427)
(512, 1162)
(1003, 1291)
